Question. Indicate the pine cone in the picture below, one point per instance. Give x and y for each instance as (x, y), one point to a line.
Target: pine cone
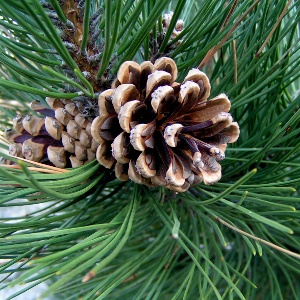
(156, 131)
(60, 136)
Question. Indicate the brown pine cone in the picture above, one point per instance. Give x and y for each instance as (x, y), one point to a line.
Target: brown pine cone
(60, 136)
(156, 131)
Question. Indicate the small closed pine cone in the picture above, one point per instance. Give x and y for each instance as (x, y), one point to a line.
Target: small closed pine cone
(59, 136)
(156, 131)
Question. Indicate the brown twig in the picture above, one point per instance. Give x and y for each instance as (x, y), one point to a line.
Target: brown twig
(232, 8)
(17, 167)
(235, 62)
(214, 49)
(259, 239)
(58, 170)
(273, 29)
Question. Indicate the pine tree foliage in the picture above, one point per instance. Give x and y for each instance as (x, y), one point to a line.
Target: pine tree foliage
(99, 238)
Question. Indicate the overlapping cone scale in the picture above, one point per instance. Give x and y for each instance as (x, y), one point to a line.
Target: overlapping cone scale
(156, 131)
(59, 136)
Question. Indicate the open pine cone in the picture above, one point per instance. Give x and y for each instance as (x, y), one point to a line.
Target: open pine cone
(156, 131)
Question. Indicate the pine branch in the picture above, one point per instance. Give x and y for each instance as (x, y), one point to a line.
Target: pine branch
(91, 236)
